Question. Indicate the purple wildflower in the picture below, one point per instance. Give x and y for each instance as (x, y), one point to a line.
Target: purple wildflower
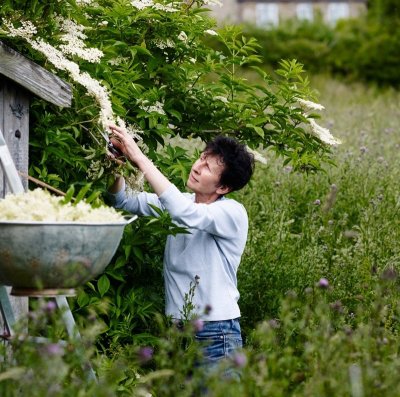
(50, 307)
(198, 325)
(239, 360)
(323, 283)
(317, 202)
(53, 349)
(145, 354)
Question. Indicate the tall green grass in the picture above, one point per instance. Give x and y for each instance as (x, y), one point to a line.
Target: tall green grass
(341, 224)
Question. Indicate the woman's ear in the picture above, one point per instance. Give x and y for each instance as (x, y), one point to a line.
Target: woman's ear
(223, 189)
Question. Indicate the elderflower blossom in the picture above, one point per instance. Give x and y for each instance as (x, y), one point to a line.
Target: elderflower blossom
(25, 31)
(165, 8)
(310, 105)
(212, 3)
(211, 32)
(142, 4)
(93, 87)
(257, 156)
(323, 133)
(221, 98)
(157, 108)
(182, 36)
(162, 44)
(40, 206)
(73, 38)
(83, 2)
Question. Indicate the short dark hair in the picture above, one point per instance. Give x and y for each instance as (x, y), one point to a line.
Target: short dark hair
(238, 161)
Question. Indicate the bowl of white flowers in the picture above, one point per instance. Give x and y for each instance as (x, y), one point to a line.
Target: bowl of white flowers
(46, 245)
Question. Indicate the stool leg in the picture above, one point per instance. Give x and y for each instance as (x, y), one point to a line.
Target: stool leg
(70, 325)
(6, 310)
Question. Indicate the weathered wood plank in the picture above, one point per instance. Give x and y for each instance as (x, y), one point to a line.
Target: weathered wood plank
(34, 78)
(14, 122)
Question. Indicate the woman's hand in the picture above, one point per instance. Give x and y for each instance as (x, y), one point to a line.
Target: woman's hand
(126, 144)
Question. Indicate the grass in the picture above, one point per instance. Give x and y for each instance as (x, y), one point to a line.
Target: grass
(341, 224)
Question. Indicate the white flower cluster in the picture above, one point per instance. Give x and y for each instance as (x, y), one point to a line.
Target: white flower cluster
(162, 44)
(212, 3)
(323, 133)
(157, 108)
(142, 4)
(320, 132)
(73, 38)
(40, 206)
(211, 32)
(26, 31)
(310, 105)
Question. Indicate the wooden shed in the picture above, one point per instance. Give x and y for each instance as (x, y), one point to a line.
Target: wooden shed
(20, 80)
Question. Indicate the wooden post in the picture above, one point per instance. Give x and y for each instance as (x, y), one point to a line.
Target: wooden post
(14, 122)
(20, 78)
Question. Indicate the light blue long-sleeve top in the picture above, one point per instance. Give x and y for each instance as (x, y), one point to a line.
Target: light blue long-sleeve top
(212, 250)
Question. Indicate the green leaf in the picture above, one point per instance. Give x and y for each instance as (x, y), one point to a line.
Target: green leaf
(103, 285)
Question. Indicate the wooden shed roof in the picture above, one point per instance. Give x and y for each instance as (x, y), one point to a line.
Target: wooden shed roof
(33, 77)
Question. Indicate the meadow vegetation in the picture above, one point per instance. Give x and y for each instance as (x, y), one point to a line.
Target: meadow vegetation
(319, 284)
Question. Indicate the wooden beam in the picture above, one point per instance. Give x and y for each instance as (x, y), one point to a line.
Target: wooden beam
(34, 78)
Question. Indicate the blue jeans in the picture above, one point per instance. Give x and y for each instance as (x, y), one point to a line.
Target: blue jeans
(219, 340)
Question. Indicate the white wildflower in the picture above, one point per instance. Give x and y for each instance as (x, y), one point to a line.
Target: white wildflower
(83, 2)
(162, 44)
(73, 37)
(212, 3)
(157, 108)
(165, 8)
(183, 36)
(103, 23)
(211, 32)
(257, 156)
(26, 30)
(323, 133)
(192, 60)
(310, 105)
(142, 4)
(221, 98)
(117, 61)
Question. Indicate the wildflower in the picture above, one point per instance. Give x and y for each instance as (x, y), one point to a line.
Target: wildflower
(363, 149)
(221, 98)
(211, 32)
(317, 202)
(27, 29)
(166, 8)
(145, 354)
(323, 133)
(257, 156)
(239, 360)
(182, 36)
(142, 4)
(323, 283)
(53, 349)
(50, 307)
(212, 3)
(198, 325)
(310, 105)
